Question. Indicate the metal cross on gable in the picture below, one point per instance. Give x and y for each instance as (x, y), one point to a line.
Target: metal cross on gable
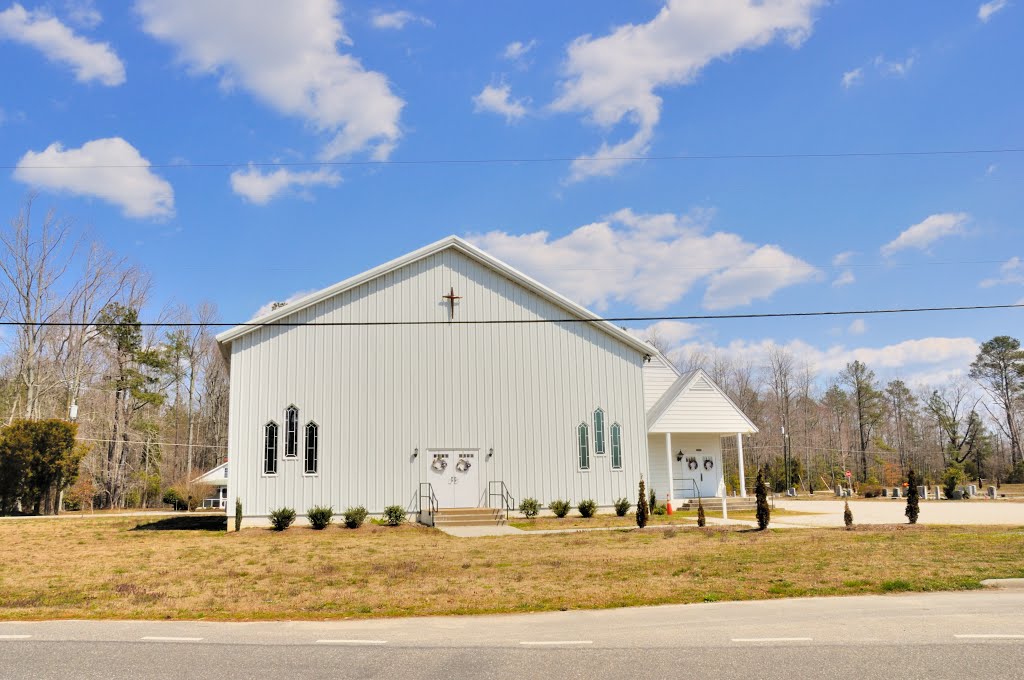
(451, 297)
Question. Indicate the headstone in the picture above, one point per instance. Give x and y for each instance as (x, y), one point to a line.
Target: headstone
(972, 489)
(922, 492)
(839, 490)
(991, 492)
(938, 492)
(791, 491)
(957, 495)
(885, 492)
(896, 492)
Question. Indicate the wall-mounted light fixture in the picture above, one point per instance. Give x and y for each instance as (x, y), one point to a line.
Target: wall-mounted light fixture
(490, 452)
(415, 453)
(679, 456)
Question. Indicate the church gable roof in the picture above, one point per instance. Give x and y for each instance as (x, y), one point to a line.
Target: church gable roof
(454, 243)
(695, 403)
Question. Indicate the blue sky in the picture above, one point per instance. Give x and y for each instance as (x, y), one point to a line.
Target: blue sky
(178, 84)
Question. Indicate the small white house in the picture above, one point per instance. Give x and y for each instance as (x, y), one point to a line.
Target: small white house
(447, 374)
(218, 479)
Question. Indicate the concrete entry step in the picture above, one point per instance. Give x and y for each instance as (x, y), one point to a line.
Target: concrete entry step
(468, 517)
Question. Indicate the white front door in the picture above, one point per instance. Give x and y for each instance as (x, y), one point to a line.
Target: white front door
(455, 477)
(706, 475)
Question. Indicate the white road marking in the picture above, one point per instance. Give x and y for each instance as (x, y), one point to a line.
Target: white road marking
(773, 639)
(993, 636)
(557, 642)
(14, 637)
(161, 638)
(351, 642)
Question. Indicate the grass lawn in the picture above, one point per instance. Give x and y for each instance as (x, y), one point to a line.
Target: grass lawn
(109, 568)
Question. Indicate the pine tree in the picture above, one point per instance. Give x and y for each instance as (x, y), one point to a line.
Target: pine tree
(642, 509)
(701, 521)
(764, 513)
(913, 504)
(847, 515)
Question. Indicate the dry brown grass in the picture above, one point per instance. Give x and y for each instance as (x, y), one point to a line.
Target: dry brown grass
(102, 568)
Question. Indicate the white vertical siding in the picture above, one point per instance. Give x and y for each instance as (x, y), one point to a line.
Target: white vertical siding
(701, 407)
(658, 377)
(380, 392)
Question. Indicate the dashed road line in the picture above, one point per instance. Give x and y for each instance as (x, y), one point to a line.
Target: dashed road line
(773, 639)
(991, 636)
(14, 637)
(351, 642)
(556, 642)
(163, 638)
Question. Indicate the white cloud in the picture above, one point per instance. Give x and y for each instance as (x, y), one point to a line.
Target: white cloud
(268, 307)
(614, 77)
(857, 327)
(83, 13)
(260, 188)
(58, 43)
(926, 232)
(396, 21)
(845, 278)
(671, 333)
(498, 99)
(839, 259)
(987, 9)
(854, 77)
(897, 69)
(516, 50)
(286, 55)
(122, 178)
(991, 169)
(1010, 272)
(649, 261)
(921, 361)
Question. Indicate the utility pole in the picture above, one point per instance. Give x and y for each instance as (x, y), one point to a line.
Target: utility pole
(785, 456)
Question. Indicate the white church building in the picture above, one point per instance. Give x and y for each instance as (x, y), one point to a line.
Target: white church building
(448, 377)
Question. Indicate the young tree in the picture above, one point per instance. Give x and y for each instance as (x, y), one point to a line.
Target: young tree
(847, 515)
(642, 509)
(913, 502)
(999, 369)
(953, 408)
(868, 406)
(49, 460)
(764, 513)
(701, 519)
(902, 407)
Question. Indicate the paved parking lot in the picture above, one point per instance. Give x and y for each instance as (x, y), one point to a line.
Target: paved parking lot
(890, 511)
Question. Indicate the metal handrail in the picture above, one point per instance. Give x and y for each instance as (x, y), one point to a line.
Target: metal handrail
(427, 493)
(503, 493)
(693, 485)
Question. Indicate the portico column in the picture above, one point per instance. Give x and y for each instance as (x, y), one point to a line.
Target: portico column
(739, 454)
(668, 461)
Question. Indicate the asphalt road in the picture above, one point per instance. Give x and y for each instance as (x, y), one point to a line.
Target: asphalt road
(940, 635)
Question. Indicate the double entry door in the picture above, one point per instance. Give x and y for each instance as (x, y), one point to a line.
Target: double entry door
(454, 475)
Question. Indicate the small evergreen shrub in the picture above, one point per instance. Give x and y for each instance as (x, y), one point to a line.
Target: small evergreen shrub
(622, 507)
(642, 509)
(659, 510)
(281, 518)
(587, 508)
(238, 513)
(320, 517)
(847, 515)
(653, 503)
(394, 515)
(701, 519)
(913, 502)
(173, 497)
(354, 517)
(530, 507)
(764, 513)
(953, 477)
(560, 508)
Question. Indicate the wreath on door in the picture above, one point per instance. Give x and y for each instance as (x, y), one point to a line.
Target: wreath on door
(463, 465)
(691, 463)
(708, 463)
(439, 464)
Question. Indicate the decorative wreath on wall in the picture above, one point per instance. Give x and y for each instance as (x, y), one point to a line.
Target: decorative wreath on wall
(708, 463)
(439, 464)
(691, 463)
(463, 465)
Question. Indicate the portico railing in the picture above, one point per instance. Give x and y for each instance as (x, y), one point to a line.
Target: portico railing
(685, 487)
(427, 496)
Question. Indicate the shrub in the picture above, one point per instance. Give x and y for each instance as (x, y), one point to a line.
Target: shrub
(953, 477)
(238, 513)
(871, 491)
(530, 507)
(653, 503)
(701, 519)
(560, 508)
(659, 510)
(764, 513)
(1016, 475)
(913, 502)
(281, 518)
(622, 507)
(320, 517)
(354, 517)
(173, 497)
(847, 515)
(587, 508)
(394, 515)
(642, 509)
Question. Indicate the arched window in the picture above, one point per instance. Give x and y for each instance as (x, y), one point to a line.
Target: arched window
(616, 446)
(312, 442)
(584, 439)
(270, 448)
(291, 432)
(599, 432)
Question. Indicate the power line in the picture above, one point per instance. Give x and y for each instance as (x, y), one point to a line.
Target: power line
(498, 322)
(195, 445)
(530, 160)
